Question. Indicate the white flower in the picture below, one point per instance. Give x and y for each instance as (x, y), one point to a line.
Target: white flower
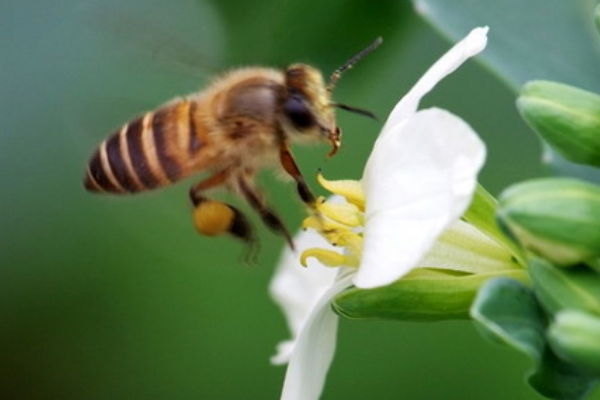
(418, 181)
(297, 291)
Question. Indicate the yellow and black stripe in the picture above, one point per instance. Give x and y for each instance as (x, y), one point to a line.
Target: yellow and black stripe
(150, 152)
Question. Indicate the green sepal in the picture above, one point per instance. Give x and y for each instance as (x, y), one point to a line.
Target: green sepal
(482, 214)
(422, 295)
(507, 312)
(559, 289)
(566, 117)
(556, 218)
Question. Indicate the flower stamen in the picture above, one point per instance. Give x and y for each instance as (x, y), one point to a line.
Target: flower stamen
(340, 223)
(347, 214)
(328, 258)
(351, 190)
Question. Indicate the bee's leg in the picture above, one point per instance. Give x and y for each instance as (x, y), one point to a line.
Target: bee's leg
(289, 165)
(213, 217)
(256, 201)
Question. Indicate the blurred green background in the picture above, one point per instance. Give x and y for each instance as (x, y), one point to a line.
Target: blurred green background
(119, 298)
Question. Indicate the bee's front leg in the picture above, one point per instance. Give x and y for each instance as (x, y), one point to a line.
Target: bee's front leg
(289, 165)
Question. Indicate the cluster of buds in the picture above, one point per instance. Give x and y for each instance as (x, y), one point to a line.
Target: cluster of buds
(558, 218)
(557, 221)
(555, 319)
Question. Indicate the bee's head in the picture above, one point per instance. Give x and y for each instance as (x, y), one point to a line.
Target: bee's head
(308, 106)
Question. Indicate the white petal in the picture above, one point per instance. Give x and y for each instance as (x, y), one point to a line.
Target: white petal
(297, 289)
(315, 347)
(470, 46)
(418, 180)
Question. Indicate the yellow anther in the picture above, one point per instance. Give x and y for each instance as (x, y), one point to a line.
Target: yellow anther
(328, 258)
(343, 238)
(354, 244)
(321, 224)
(334, 232)
(347, 213)
(335, 222)
(351, 190)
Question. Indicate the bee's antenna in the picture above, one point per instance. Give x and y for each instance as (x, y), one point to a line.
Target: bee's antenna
(335, 76)
(355, 110)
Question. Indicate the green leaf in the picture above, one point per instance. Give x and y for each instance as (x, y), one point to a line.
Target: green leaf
(423, 295)
(529, 40)
(507, 311)
(597, 14)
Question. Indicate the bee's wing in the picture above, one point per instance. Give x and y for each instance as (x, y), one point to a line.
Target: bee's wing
(186, 40)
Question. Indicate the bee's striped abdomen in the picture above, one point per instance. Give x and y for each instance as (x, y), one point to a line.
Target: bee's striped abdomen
(152, 151)
(165, 127)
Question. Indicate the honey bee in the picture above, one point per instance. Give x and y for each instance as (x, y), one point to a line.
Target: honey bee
(243, 122)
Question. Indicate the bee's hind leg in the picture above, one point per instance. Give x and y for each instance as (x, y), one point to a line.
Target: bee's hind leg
(213, 218)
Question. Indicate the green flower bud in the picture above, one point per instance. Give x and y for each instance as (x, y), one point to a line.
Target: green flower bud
(422, 295)
(556, 218)
(566, 117)
(560, 289)
(575, 337)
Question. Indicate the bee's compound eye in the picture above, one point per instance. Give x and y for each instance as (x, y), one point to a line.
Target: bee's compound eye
(298, 112)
